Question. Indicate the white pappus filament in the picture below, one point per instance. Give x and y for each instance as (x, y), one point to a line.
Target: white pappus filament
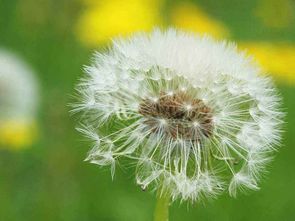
(194, 114)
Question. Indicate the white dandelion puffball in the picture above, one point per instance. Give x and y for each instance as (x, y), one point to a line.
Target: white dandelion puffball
(194, 114)
(18, 89)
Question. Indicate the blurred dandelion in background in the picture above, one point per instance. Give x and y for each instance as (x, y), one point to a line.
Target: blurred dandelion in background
(190, 17)
(193, 113)
(276, 58)
(103, 20)
(18, 102)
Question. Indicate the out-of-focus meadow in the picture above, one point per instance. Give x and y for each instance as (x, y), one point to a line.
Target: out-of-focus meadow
(42, 173)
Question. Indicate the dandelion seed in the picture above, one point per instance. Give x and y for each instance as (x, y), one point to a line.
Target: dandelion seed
(201, 120)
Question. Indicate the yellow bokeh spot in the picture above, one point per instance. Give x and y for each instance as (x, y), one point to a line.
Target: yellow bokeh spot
(17, 134)
(190, 17)
(276, 58)
(103, 20)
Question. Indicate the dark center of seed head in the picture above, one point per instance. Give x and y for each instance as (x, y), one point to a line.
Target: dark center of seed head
(187, 118)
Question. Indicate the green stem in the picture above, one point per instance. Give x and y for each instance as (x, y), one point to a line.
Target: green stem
(162, 208)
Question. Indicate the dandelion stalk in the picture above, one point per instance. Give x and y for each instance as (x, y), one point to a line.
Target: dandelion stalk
(162, 208)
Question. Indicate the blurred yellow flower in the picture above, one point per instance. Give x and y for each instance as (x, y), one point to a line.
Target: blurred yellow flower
(103, 20)
(276, 59)
(190, 17)
(17, 134)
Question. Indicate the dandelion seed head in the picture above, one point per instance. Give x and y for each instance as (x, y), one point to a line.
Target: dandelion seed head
(194, 114)
(17, 81)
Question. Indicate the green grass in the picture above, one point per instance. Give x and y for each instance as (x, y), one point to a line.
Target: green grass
(50, 181)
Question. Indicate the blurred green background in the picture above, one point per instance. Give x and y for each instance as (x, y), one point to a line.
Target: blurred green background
(48, 180)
